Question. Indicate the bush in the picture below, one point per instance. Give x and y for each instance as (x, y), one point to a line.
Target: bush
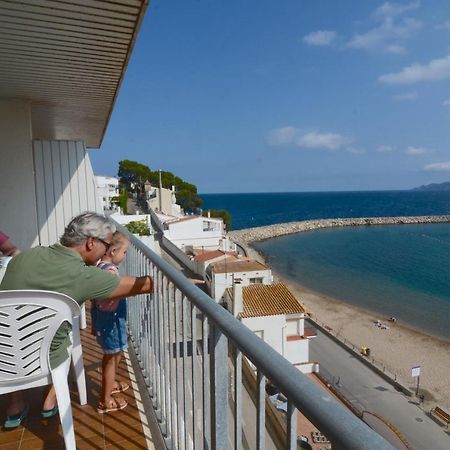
(139, 227)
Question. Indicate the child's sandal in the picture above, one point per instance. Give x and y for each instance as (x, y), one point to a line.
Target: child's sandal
(121, 387)
(116, 404)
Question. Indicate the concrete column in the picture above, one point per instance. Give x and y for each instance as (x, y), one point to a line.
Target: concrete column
(18, 216)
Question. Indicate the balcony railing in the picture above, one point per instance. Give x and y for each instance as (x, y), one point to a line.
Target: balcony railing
(191, 354)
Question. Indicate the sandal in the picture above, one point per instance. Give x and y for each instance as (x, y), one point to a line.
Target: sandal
(114, 405)
(16, 420)
(49, 413)
(121, 387)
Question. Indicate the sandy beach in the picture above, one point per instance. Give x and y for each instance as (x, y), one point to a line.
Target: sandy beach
(396, 349)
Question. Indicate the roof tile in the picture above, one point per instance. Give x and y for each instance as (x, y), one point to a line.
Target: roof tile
(268, 300)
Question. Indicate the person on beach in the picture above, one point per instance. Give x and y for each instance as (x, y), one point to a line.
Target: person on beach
(109, 324)
(68, 268)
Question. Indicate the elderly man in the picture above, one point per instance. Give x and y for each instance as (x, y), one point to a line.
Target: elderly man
(68, 268)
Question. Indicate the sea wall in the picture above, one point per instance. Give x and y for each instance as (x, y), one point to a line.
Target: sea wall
(249, 235)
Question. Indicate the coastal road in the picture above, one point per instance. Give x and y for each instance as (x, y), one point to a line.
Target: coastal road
(378, 396)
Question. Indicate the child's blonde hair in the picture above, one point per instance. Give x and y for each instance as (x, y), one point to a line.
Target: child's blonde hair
(118, 240)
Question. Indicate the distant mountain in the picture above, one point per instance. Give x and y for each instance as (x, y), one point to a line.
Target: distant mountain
(434, 187)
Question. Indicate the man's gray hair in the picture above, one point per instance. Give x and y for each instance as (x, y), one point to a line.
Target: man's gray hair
(88, 224)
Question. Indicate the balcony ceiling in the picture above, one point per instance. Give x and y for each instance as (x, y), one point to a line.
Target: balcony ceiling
(68, 58)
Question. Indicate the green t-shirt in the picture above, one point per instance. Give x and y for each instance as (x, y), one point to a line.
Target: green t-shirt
(59, 269)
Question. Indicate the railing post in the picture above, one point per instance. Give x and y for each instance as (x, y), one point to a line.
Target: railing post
(194, 370)
(184, 306)
(178, 361)
(154, 337)
(260, 410)
(219, 390)
(238, 400)
(206, 385)
(291, 426)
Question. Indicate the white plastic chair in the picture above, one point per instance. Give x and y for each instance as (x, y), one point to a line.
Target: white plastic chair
(83, 323)
(28, 323)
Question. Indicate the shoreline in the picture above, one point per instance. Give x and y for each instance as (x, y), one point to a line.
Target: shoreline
(395, 350)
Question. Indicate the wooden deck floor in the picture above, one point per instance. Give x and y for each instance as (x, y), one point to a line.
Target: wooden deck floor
(124, 430)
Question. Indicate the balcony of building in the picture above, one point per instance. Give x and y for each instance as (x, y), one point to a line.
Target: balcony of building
(206, 374)
(198, 380)
(127, 429)
(61, 68)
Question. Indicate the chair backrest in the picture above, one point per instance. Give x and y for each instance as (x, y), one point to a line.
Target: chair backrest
(28, 323)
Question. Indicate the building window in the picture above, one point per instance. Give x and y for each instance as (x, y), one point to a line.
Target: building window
(208, 226)
(258, 280)
(259, 333)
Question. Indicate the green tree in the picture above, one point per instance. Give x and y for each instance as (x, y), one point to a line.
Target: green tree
(133, 172)
(123, 200)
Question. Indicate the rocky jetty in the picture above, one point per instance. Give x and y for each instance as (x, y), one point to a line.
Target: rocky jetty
(249, 235)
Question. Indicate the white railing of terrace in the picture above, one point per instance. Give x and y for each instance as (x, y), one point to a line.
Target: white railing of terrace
(189, 349)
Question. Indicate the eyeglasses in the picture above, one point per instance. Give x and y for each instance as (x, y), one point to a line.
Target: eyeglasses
(106, 244)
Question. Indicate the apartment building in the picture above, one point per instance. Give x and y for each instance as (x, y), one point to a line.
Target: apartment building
(276, 316)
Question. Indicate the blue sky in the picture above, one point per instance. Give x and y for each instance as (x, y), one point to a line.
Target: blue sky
(265, 96)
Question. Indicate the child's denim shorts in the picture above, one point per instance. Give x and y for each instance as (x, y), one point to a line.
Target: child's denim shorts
(111, 328)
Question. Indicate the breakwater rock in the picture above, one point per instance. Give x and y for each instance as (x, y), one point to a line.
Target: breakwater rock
(249, 235)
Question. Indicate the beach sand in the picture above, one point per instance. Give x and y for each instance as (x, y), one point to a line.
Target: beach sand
(396, 349)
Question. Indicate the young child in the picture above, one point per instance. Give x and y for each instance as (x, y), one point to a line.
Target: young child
(109, 323)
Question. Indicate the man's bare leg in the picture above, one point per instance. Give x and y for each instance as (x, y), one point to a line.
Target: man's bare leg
(16, 403)
(50, 398)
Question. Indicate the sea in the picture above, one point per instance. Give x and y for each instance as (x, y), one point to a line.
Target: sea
(392, 270)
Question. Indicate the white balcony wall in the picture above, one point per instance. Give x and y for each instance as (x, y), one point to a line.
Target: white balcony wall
(17, 187)
(65, 186)
(297, 351)
(42, 183)
(295, 325)
(271, 328)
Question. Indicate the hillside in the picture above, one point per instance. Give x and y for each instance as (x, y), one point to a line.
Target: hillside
(434, 187)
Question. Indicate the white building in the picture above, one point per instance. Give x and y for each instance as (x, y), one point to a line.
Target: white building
(194, 231)
(219, 274)
(161, 200)
(203, 258)
(188, 232)
(107, 188)
(275, 315)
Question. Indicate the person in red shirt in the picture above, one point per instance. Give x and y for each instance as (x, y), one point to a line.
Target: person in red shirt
(7, 248)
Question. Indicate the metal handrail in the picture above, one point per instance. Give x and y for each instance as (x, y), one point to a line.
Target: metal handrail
(343, 429)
